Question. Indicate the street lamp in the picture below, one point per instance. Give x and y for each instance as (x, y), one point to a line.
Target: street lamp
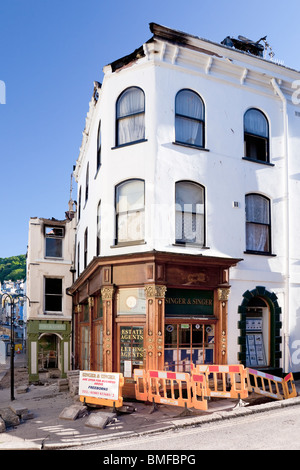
(12, 298)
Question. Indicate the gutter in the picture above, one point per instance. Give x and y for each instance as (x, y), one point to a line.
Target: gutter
(286, 324)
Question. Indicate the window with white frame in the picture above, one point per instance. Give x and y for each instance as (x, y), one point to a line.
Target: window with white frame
(258, 224)
(130, 125)
(54, 241)
(189, 118)
(87, 183)
(53, 295)
(99, 147)
(190, 213)
(256, 136)
(130, 211)
(85, 248)
(98, 241)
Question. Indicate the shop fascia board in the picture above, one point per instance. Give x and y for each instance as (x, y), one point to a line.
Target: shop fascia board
(152, 256)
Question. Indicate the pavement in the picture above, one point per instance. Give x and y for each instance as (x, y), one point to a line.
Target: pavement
(47, 430)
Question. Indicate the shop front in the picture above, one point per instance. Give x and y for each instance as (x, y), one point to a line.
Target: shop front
(162, 312)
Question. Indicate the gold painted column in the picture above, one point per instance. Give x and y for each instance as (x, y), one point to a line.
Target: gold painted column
(107, 294)
(223, 294)
(155, 321)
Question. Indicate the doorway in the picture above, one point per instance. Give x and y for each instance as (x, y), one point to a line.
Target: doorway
(130, 353)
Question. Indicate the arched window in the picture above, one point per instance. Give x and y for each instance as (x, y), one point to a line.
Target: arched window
(189, 118)
(258, 224)
(130, 126)
(190, 213)
(256, 136)
(99, 147)
(130, 211)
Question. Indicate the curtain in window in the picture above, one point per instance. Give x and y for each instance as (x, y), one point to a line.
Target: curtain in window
(257, 223)
(189, 223)
(189, 122)
(130, 116)
(256, 123)
(130, 211)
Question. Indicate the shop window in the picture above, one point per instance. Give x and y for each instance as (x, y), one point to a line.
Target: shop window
(190, 213)
(189, 118)
(256, 136)
(131, 301)
(130, 211)
(53, 295)
(258, 224)
(130, 125)
(257, 333)
(188, 343)
(99, 347)
(98, 310)
(54, 241)
(85, 348)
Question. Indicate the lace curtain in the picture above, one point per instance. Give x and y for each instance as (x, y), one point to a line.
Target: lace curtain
(257, 223)
(130, 211)
(131, 116)
(189, 118)
(189, 222)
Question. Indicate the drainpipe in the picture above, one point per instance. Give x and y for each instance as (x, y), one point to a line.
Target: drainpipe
(286, 323)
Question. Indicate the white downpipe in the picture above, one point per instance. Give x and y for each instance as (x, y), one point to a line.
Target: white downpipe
(286, 323)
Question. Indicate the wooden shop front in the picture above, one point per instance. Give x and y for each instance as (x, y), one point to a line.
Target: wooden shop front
(160, 311)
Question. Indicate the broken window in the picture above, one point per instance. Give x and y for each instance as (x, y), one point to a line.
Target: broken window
(53, 295)
(54, 240)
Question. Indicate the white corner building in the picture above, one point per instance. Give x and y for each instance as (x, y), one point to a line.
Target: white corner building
(188, 190)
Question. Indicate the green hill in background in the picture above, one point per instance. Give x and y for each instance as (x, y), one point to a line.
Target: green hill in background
(13, 268)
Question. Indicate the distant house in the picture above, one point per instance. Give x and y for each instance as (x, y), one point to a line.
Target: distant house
(50, 263)
(188, 193)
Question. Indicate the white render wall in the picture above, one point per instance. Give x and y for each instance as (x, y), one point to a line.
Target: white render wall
(229, 85)
(39, 267)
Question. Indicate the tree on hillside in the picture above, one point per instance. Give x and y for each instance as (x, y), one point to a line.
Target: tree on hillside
(13, 268)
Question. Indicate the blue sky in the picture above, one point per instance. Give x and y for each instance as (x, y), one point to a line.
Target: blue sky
(51, 52)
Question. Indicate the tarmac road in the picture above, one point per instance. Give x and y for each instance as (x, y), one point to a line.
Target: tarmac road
(272, 430)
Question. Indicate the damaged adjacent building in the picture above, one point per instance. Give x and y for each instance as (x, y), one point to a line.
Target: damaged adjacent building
(188, 179)
(50, 266)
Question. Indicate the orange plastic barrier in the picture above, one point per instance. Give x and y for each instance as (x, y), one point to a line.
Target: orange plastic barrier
(141, 388)
(289, 386)
(265, 384)
(224, 381)
(171, 388)
(167, 388)
(199, 390)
